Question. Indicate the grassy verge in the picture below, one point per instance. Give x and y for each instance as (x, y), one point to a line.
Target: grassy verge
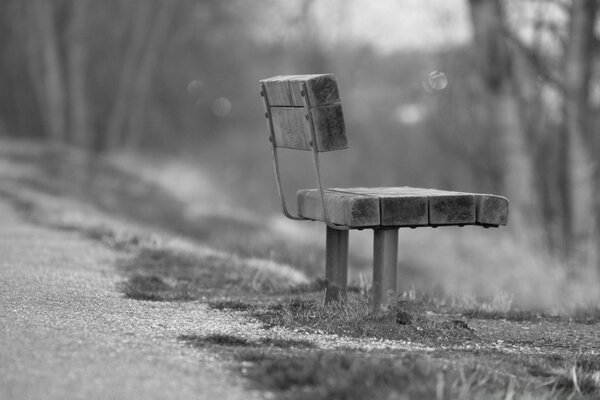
(160, 267)
(355, 319)
(123, 194)
(296, 370)
(534, 356)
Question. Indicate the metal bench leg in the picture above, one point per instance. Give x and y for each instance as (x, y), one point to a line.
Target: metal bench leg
(336, 265)
(385, 259)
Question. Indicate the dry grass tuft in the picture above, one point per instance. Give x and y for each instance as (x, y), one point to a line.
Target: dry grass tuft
(355, 319)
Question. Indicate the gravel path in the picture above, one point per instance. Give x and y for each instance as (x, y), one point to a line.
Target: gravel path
(67, 333)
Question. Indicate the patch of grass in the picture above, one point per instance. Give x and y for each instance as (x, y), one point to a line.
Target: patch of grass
(354, 318)
(117, 239)
(316, 285)
(580, 375)
(234, 305)
(216, 339)
(192, 271)
(348, 375)
(154, 288)
(581, 315)
(512, 315)
(230, 340)
(589, 315)
(127, 192)
(195, 276)
(287, 343)
(183, 276)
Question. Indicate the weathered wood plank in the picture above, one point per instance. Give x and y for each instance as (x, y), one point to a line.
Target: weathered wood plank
(343, 209)
(330, 129)
(452, 208)
(292, 129)
(491, 209)
(399, 206)
(443, 207)
(404, 211)
(405, 206)
(285, 90)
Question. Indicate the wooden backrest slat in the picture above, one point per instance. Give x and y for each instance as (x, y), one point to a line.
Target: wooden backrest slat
(288, 113)
(285, 90)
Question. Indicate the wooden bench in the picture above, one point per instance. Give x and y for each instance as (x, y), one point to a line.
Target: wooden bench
(304, 112)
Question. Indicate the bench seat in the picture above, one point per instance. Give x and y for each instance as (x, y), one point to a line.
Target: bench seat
(389, 207)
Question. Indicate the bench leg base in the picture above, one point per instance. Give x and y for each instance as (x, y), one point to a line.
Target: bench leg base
(385, 259)
(336, 265)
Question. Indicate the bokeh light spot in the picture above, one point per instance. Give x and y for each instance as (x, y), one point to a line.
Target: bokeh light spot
(195, 88)
(221, 107)
(436, 80)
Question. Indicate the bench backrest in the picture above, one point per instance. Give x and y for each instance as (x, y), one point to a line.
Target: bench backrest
(303, 109)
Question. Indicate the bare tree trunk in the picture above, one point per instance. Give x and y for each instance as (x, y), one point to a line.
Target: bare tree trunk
(53, 98)
(142, 13)
(578, 136)
(146, 70)
(33, 59)
(77, 61)
(495, 63)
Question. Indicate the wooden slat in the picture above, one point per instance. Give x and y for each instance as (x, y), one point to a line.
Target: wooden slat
(285, 90)
(404, 211)
(492, 210)
(329, 128)
(443, 207)
(344, 209)
(292, 129)
(452, 208)
(399, 206)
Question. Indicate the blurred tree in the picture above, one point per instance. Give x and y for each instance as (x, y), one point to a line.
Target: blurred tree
(146, 29)
(496, 66)
(547, 64)
(77, 60)
(46, 65)
(578, 128)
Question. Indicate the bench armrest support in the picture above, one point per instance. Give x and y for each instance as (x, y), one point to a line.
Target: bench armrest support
(313, 145)
(263, 93)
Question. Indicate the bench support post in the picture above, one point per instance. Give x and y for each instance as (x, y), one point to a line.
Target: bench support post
(336, 265)
(385, 259)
